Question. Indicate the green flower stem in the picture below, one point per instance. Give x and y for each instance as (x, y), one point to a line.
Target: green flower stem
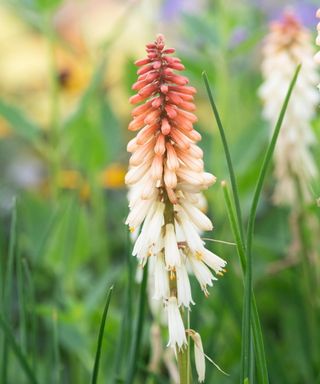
(183, 365)
(183, 354)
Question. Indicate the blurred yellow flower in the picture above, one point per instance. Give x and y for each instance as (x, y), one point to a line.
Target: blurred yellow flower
(74, 71)
(113, 176)
(69, 179)
(5, 129)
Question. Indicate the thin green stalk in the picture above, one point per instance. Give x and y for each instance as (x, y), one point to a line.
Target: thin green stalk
(17, 350)
(182, 354)
(246, 339)
(228, 156)
(261, 362)
(100, 338)
(8, 286)
(22, 304)
(136, 342)
(55, 343)
(32, 313)
(308, 280)
(183, 365)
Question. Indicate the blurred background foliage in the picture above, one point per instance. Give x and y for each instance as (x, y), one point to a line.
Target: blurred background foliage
(66, 69)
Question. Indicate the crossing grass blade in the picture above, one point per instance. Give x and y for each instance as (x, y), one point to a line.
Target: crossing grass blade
(262, 370)
(8, 288)
(100, 338)
(17, 350)
(30, 294)
(56, 377)
(235, 217)
(22, 303)
(227, 155)
(246, 339)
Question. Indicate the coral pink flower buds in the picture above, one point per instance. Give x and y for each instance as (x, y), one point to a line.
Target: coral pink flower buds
(166, 177)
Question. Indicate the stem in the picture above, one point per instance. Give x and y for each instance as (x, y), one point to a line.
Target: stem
(308, 284)
(183, 365)
(182, 354)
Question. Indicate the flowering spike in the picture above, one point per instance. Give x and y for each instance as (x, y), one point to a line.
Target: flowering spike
(166, 177)
(287, 45)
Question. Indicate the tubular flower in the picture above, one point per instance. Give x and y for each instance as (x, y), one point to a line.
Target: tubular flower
(165, 179)
(287, 45)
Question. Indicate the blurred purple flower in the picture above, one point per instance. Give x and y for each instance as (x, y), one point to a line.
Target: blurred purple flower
(306, 13)
(26, 173)
(238, 36)
(304, 10)
(173, 9)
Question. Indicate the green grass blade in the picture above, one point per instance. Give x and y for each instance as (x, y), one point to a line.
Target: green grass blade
(8, 287)
(29, 288)
(234, 225)
(24, 127)
(56, 377)
(22, 304)
(135, 346)
(100, 338)
(17, 350)
(12, 247)
(227, 154)
(246, 339)
(262, 370)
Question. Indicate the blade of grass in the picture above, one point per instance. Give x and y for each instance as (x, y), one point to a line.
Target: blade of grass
(246, 339)
(237, 226)
(8, 287)
(29, 288)
(135, 346)
(100, 338)
(24, 127)
(56, 378)
(262, 370)
(17, 350)
(227, 154)
(22, 304)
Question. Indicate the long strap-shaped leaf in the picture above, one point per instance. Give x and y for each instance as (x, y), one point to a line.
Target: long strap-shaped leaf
(246, 337)
(100, 338)
(237, 228)
(262, 371)
(228, 156)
